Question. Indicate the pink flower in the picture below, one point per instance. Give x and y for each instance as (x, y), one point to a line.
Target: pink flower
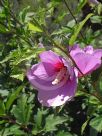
(87, 59)
(54, 78)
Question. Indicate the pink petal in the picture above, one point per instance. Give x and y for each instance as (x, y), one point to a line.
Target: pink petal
(43, 70)
(75, 49)
(40, 79)
(89, 49)
(59, 96)
(86, 59)
(97, 53)
(86, 62)
(50, 57)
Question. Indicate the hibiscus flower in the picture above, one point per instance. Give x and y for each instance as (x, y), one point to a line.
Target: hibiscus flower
(54, 78)
(86, 59)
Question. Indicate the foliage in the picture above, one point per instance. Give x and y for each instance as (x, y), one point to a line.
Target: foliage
(50, 23)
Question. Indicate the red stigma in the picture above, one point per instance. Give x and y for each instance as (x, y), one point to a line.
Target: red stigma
(58, 66)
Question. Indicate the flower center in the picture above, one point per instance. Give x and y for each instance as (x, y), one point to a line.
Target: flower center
(59, 66)
(62, 73)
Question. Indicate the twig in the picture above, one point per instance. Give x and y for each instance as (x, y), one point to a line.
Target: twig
(95, 94)
(10, 120)
(72, 16)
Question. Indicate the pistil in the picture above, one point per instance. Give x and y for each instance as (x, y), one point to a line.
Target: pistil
(62, 75)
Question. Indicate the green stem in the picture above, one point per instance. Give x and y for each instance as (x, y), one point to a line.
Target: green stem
(95, 94)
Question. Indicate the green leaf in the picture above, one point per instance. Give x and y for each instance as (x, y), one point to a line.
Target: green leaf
(100, 85)
(18, 76)
(2, 122)
(12, 130)
(4, 92)
(96, 123)
(13, 97)
(22, 111)
(15, 129)
(39, 117)
(23, 14)
(34, 28)
(18, 56)
(62, 133)
(35, 131)
(94, 101)
(39, 124)
(84, 126)
(52, 122)
(5, 132)
(96, 19)
(77, 29)
(60, 17)
(2, 108)
(3, 29)
(80, 5)
(26, 55)
(99, 8)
